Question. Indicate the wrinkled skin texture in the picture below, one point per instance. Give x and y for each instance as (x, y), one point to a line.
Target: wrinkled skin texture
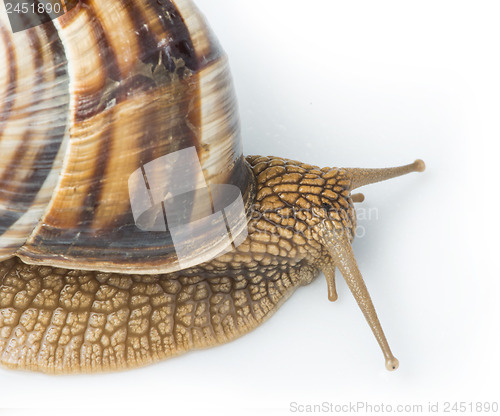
(63, 321)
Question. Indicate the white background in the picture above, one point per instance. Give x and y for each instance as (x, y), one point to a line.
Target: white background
(368, 84)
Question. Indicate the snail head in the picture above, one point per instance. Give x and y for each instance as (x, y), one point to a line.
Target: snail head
(307, 201)
(311, 211)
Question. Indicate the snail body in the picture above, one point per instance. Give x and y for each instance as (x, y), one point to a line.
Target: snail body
(132, 228)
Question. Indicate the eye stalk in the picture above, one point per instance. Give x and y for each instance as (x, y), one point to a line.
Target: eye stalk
(362, 177)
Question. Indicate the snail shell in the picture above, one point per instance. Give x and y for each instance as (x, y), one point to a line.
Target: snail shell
(102, 94)
(107, 115)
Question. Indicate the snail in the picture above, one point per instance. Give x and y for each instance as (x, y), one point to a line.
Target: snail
(132, 228)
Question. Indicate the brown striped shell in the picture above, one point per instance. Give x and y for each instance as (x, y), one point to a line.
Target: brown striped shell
(90, 103)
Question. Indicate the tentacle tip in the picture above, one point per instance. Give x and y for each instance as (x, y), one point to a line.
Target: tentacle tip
(419, 165)
(358, 198)
(333, 298)
(391, 364)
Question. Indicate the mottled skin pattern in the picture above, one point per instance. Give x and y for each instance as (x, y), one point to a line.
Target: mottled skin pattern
(57, 320)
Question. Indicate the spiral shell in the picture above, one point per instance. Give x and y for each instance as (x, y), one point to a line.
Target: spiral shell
(92, 107)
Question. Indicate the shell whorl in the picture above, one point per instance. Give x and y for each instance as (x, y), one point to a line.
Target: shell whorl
(91, 98)
(34, 114)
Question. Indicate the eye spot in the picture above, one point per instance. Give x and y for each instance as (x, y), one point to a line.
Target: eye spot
(327, 206)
